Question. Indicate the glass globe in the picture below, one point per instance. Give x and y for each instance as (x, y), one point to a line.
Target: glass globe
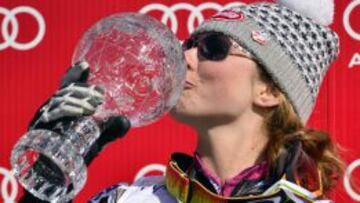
(139, 63)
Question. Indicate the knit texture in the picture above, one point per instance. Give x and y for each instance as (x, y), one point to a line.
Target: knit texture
(293, 49)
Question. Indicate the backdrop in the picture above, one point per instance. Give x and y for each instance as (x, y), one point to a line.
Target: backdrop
(37, 40)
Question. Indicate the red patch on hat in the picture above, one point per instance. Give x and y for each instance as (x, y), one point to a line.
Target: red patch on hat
(259, 37)
(229, 14)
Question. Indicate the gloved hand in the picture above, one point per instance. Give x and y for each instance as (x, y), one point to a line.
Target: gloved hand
(75, 99)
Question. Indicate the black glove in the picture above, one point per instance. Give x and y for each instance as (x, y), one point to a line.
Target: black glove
(73, 100)
(76, 99)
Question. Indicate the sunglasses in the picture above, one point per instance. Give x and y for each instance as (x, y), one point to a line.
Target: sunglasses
(215, 46)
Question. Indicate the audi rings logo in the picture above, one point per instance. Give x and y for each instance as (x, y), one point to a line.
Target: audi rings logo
(148, 169)
(346, 19)
(196, 12)
(10, 19)
(8, 180)
(347, 180)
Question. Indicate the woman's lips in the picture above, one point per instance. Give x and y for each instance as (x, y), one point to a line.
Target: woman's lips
(188, 85)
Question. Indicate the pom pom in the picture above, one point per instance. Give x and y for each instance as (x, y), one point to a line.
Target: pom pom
(321, 11)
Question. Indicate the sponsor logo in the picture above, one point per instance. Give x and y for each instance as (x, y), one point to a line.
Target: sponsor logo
(10, 35)
(148, 169)
(229, 14)
(196, 13)
(346, 19)
(8, 183)
(355, 59)
(259, 37)
(347, 180)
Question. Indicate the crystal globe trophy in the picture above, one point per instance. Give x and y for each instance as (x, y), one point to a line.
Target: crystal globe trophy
(139, 64)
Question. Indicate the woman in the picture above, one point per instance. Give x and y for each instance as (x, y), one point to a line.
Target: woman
(253, 74)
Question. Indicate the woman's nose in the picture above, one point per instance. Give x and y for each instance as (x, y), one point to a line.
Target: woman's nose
(191, 59)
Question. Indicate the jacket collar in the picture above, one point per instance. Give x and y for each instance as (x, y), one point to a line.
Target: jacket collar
(181, 183)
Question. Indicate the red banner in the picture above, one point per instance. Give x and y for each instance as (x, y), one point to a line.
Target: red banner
(37, 40)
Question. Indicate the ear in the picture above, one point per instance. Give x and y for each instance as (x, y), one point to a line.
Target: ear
(265, 95)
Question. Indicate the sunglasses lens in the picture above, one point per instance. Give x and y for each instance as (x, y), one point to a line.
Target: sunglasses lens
(214, 47)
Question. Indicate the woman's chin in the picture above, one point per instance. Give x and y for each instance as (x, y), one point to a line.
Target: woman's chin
(181, 114)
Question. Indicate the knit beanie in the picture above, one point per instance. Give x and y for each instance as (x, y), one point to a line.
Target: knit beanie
(291, 41)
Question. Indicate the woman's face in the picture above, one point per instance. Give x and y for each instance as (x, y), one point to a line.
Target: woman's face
(219, 89)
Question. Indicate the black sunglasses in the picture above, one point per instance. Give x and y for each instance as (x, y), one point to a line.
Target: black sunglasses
(214, 46)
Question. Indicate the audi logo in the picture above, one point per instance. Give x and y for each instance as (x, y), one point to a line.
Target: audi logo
(149, 168)
(9, 178)
(10, 19)
(196, 15)
(346, 19)
(347, 180)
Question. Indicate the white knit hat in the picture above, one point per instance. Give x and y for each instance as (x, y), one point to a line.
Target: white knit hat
(295, 49)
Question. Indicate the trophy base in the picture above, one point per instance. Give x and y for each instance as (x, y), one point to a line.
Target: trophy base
(48, 165)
